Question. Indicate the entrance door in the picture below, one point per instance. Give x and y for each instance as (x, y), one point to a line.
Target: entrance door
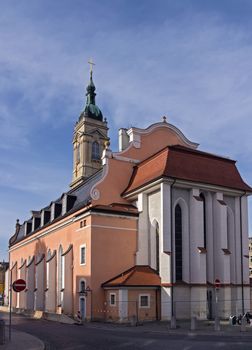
(83, 308)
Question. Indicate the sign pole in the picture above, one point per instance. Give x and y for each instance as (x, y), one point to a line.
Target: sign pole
(10, 301)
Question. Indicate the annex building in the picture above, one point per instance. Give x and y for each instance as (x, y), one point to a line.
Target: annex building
(143, 232)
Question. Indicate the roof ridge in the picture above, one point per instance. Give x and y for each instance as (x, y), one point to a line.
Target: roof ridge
(130, 274)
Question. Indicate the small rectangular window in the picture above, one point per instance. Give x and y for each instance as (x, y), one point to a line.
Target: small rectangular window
(83, 223)
(144, 300)
(112, 299)
(83, 255)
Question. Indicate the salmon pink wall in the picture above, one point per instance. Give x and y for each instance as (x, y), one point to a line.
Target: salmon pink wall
(113, 251)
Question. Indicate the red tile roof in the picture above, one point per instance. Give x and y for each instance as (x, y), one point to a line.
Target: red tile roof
(136, 276)
(187, 164)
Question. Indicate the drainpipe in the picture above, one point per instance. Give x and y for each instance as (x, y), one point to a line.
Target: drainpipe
(241, 229)
(172, 258)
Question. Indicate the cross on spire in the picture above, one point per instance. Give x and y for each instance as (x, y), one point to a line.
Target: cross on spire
(91, 65)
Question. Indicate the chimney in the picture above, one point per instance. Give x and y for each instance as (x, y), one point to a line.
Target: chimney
(123, 139)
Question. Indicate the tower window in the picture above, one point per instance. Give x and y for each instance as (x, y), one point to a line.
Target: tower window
(95, 151)
(78, 154)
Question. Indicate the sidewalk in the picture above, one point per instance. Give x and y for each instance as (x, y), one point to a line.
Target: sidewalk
(183, 328)
(22, 341)
(202, 328)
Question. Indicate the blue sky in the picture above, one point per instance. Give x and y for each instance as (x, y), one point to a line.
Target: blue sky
(188, 60)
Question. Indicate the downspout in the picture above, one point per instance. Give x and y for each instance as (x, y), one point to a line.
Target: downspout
(241, 229)
(172, 258)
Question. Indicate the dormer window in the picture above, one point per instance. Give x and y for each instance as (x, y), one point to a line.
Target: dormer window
(45, 217)
(67, 203)
(55, 210)
(95, 151)
(28, 227)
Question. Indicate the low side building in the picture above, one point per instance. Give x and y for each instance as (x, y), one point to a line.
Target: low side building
(3, 268)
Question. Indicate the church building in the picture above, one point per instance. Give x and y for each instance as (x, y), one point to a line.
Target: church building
(141, 233)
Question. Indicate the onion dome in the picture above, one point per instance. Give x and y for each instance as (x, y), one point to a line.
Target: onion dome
(91, 110)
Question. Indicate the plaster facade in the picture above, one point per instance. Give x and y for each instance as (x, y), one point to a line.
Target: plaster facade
(143, 208)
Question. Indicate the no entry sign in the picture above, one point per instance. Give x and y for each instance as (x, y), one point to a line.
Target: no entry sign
(217, 283)
(19, 285)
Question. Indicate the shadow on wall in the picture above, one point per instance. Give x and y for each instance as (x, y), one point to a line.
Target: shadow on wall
(40, 248)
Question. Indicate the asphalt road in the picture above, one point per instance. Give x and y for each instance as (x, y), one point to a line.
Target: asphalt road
(95, 336)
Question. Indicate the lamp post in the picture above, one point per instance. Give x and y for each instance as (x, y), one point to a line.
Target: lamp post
(89, 290)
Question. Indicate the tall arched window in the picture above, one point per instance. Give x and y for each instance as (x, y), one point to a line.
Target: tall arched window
(178, 242)
(95, 150)
(204, 219)
(157, 248)
(60, 274)
(48, 268)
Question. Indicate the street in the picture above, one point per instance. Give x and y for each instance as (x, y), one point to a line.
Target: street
(101, 336)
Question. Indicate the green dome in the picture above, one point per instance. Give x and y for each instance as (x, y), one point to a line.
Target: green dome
(93, 111)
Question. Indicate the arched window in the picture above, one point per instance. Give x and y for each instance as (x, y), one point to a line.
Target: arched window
(82, 286)
(231, 243)
(60, 275)
(178, 242)
(157, 248)
(95, 150)
(204, 218)
(49, 254)
(48, 268)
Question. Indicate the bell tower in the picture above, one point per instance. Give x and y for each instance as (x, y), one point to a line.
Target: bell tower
(90, 134)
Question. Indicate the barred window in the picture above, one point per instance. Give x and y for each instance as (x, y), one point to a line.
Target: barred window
(144, 300)
(112, 299)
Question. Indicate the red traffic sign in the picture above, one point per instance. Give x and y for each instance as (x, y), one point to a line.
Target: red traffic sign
(19, 285)
(217, 283)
